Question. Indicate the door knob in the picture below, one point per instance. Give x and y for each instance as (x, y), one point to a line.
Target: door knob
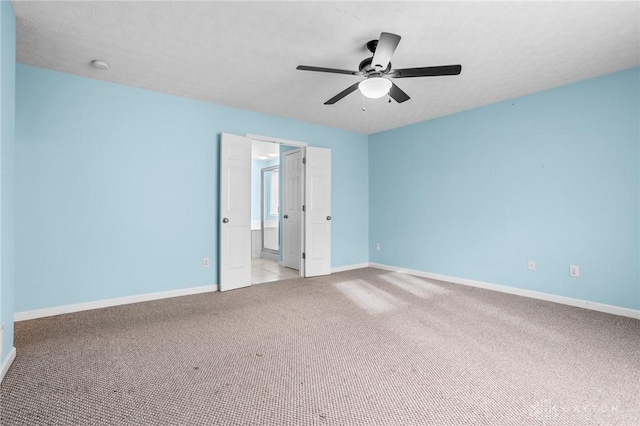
(225, 220)
(328, 217)
(286, 216)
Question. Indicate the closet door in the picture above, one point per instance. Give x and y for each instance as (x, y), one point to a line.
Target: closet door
(317, 212)
(235, 212)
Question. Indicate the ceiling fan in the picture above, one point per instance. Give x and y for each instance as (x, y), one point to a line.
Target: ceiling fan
(377, 69)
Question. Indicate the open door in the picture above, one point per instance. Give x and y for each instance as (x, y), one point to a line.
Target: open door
(235, 212)
(292, 217)
(317, 240)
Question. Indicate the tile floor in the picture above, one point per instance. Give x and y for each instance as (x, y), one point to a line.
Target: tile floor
(265, 271)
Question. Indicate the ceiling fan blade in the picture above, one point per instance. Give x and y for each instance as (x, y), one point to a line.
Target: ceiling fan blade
(384, 50)
(426, 71)
(330, 70)
(342, 94)
(397, 94)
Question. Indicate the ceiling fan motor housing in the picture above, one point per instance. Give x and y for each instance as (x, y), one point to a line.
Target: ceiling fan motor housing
(366, 68)
(371, 45)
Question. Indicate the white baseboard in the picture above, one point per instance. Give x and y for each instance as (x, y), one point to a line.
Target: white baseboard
(7, 363)
(601, 307)
(105, 303)
(349, 267)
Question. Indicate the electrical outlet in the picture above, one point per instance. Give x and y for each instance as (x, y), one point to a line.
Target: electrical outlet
(531, 265)
(205, 262)
(377, 246)
(574, 270)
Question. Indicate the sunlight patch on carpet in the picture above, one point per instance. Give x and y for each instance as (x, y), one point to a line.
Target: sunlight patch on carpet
(414, 285)
(370, 298)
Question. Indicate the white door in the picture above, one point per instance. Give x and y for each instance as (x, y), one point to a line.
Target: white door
(292, 212)
(235, 212)
(317, 245)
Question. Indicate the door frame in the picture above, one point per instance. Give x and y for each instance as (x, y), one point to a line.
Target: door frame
(303, 151)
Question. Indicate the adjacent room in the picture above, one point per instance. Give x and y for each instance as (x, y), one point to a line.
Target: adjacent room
(341, 213)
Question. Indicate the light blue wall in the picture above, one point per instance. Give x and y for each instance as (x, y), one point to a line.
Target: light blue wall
(7, 168)
(119, 186)
(552, 177)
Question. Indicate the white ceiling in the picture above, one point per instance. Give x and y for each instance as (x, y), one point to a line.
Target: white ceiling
(244, 54)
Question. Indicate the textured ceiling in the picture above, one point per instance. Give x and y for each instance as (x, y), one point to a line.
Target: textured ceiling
(244, 54)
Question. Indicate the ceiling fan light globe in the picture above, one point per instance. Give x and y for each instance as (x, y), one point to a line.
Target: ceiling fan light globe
(374, 87)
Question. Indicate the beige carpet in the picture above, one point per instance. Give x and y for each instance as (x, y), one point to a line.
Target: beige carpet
(364, 347)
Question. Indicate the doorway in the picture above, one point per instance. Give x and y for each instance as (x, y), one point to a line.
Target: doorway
(236, 229)
(273, 249)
